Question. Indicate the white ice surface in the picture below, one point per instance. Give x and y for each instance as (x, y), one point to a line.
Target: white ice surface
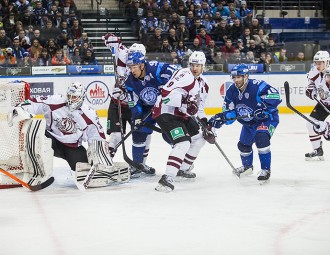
(216, 214)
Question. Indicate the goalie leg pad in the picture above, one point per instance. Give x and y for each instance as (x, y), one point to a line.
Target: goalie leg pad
(104, 175)
(98, 153)
(37, 156)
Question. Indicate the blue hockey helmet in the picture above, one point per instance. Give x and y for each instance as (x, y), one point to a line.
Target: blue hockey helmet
(239, 70)
(135, 58)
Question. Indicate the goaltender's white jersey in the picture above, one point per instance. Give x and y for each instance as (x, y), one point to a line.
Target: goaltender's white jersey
(182, 85)
(317, 79)
(70, 128)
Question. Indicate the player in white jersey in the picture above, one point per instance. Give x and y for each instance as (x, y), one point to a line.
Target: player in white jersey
(318, 87)
(112, 42)
(183, 96)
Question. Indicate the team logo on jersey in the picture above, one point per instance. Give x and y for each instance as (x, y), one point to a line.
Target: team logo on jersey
(224, 87)
(66, 125)
(149, 95)
(263, 127)
(247, 95)
(244, 110)
(177, 133)
(97, 93)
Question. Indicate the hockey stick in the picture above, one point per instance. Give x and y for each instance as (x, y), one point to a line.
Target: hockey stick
(323, 105)
(287, 97)
(203, 126)
(30, 187)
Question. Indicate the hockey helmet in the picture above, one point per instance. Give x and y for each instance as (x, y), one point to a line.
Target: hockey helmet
(321, 56)
(137, 47)
(239, 70)
(76, 94)
(135, 58)
(197, 57)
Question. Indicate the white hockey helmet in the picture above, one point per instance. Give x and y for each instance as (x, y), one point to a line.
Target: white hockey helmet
(76, 94)
(197, 57)
(321, 56)
(137, 47)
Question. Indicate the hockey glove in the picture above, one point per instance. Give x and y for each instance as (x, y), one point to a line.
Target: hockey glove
(261, 114)
(219, 119)
(209, 135)
(192, 106)
(137, 124)
(311, 92)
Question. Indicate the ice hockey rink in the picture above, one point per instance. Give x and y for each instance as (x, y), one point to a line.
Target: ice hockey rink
(217, 214)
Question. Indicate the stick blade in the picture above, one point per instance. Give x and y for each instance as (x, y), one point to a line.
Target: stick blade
(42, 185)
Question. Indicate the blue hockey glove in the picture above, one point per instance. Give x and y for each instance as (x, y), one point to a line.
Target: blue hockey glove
(261, 114)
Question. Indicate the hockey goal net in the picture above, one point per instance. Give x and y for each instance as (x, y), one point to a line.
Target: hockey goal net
(11, 140)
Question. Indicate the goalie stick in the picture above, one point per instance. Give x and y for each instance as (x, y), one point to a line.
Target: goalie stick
(201, 123)
(30, 187)
(287, 97)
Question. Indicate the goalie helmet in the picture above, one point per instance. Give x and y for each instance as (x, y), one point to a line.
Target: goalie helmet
(75, 95)
(239, 70)
(137, 47)
(197, 57)
(135, 58)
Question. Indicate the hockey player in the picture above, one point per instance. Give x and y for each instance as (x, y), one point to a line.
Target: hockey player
(317, 86)
(182, 97)
(144, 85)
(69, 122)
(119, 91)
(258, 101)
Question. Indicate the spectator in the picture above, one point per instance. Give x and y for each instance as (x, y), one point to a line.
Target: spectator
(280, 56)
(84, 39)
(236, 58)
(174, 20)
(18, 51)
(190, 19)
(64, 26)
(255, 27)
(10, 25)
(35, 50)
(261, 37)
(52, 47)
(210, 51)
(208, 23)
(243, 10)
(7, 59)
(62, 39)
(182, 11)
(300, 58)
(236, 30)
(175, 60)
(164, 24)
(21, 36)
(216, 18)
(246, 37)
(240, 46)
(206, 9)
(5, 41)
(37, 35)
(150, 5)
(38, 11)
(22, 6)
(224, 12)
(76, 29)
(195, 29)
(155, 41)
(173, 39)
(228, 49)
(26, 62)
(198, 10)
(50, 31)
(44, 59)
(70, 47)
(254, 48)
(166, 10)
(203, 37)
(220, 59)
(195, 46)
(272, 46)
(166, 47)
(182, 32)
(247, 21)
(181, 50)
(131, 11)
(148, 24)
(59, 59)
(222, 31)
(89, 58)
(75, 58)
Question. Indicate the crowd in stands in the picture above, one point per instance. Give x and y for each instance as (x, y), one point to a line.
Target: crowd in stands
(42, 33)
(225, 30)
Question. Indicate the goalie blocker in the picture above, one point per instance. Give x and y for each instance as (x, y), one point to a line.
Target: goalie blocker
(100, 171)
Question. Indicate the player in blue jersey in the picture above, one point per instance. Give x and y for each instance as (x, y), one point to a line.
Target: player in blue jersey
(144, 85)
(258, 101)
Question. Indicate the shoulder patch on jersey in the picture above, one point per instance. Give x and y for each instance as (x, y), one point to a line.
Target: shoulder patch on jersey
(272, 96)
(165, 101)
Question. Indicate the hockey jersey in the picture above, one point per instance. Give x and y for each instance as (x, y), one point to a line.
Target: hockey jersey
(69, 127)
(257, 94)
(143, 93)
(316, 80)
(182, 85)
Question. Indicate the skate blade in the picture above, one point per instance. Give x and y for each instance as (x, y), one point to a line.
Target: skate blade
(184, 179)
(244, 174)
(163, 189)
(318, 158)
(263, 182)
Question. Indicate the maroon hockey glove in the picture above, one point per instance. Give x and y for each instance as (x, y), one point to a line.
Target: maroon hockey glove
(192, 106)
(209, 135)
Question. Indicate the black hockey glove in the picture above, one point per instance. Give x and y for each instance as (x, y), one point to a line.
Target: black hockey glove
(261, 114)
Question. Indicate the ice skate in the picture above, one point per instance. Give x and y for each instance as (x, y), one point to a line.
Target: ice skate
(165, 184)
(243, 171)
(263, 177)
(148, 170)
(135, 173)
(316, 155)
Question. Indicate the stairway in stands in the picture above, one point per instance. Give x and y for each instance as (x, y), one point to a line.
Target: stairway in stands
(97, 25)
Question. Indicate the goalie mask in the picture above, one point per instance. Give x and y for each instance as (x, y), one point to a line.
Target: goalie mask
(76, 95)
